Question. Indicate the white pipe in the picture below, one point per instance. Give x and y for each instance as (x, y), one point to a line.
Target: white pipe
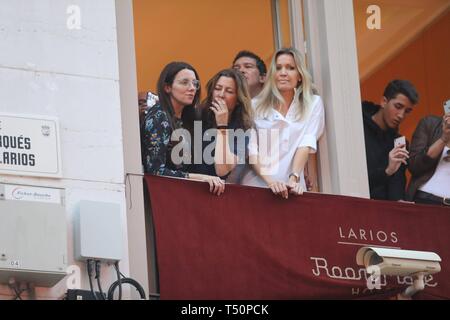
(417, 286)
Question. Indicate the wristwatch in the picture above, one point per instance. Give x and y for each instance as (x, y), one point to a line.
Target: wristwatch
(296, 175)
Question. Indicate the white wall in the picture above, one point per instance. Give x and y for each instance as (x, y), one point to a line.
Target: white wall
(138, 221)
(331, 41)
(47, 69)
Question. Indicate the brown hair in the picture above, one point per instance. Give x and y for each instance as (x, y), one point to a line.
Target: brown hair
(167, 77)
(242, 114)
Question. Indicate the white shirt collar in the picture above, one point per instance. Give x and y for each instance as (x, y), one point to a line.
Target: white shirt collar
(275, 115)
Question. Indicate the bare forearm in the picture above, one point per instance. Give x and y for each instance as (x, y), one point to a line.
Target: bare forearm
(300, 159)
(224, 159)
(197, 176)
(312, 172)
(299, 162)
(436, 149)
(257, 167)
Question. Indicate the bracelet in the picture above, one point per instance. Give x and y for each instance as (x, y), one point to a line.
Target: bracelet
(222, 127)
(296, 175)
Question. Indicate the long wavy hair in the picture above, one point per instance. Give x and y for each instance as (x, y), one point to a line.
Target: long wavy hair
(270, 97)
(242, 114)
(167, 77)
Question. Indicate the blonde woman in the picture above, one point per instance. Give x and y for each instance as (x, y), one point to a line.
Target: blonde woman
(289, 119)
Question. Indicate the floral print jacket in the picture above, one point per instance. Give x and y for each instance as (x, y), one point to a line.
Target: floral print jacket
(156, 144)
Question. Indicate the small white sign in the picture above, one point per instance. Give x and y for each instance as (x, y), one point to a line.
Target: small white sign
(29, 145)
(25, 193)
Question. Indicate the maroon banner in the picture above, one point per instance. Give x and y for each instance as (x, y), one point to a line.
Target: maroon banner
(250, 244)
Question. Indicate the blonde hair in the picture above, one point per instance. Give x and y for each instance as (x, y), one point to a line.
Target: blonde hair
(270, 97)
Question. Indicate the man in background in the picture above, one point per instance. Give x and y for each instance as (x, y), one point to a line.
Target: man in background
(430, 161)
(387, 162)
(254, 70)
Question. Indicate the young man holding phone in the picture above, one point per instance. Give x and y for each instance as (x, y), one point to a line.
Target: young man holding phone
(430, 161)
(386, 151)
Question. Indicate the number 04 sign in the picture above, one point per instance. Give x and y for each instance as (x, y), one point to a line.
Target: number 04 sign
(29, 145)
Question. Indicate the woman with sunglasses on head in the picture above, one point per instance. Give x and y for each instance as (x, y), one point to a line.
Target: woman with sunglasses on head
(226, 115)
(178, 92)
(429, 162)
(289, 119)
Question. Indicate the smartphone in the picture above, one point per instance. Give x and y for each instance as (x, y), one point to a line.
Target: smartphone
(401, 141)
(447, 107)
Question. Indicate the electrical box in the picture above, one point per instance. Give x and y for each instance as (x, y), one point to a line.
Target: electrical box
(98, 231)
(33, 242)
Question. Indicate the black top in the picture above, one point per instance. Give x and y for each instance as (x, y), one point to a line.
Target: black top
(237, 140)
(378, 145)
(157, 145)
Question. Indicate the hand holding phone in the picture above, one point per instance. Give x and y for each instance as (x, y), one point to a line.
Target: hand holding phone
(398, 156)
(401, 141)
(447, 107)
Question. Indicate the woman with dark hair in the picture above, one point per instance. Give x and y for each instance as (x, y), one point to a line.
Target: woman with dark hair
(226, 109)
(178, 92)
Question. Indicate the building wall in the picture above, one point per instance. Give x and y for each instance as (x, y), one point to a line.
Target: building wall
(425, 62)
(47, 69)
(207, 34)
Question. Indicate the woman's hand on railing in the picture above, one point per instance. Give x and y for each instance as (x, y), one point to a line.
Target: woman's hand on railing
(216, 185)
(279, 188)
(295, 188)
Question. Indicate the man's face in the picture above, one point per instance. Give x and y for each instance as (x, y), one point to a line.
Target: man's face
(247, 66)
(396, 110)
(142, 99)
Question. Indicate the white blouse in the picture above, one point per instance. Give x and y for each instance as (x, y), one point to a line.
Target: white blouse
(439, 183)
(277, 139)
